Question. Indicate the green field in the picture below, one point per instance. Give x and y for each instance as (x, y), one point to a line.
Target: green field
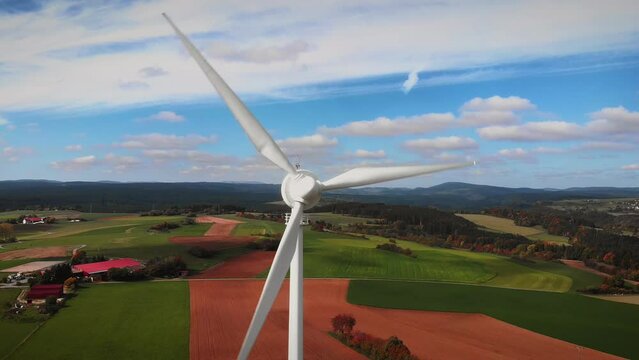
(147, 320)
(603, 325)
(497, 224)
(12, 332)
(122, 237)
(330, 255)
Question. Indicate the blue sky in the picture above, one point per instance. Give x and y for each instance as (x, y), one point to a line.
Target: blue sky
(541, 94)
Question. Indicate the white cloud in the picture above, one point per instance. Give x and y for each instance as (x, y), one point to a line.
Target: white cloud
(162, 141)
(366, 154)
(441, 143)
(549, 150)
(259, 54)
(631, 167)
(152, 71)
(41, 48)
(614, 120)
(14, 154)
(75, 164)
(383, 126)
(495, 110)
(187, 155)
(316, 144)
(498, 103)
(121, 163)
(489, 117)
(73, 148)
(605, 145)
(411, 81)
(167, 116)
(534, 131)
(514, 153)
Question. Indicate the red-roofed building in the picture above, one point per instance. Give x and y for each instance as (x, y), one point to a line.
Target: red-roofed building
(102, 267)
(33, 220)
(44, 291)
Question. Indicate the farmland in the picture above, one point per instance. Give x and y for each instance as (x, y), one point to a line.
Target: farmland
(603, 325)
(122, 236)
(147, 320)
(12, 332)
(435, 278)
(497, 224)
(330, 255)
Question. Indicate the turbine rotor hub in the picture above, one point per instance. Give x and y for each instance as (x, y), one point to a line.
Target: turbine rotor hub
(303, 187)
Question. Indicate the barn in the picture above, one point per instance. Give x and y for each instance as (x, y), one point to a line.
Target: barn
(38, 292)
(100, 268)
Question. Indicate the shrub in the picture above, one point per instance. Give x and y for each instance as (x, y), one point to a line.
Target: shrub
(165, 267)
(188, 221)
(396, 249)
(124, 274)
(265, 244)
(372, 347)
(201, 252)
(164, 227)
(50, 305)
(343, 324)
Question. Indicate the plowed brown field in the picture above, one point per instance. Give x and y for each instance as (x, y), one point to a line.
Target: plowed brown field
(221, 311)
(217, 237)
(245, 266)
(35, 253)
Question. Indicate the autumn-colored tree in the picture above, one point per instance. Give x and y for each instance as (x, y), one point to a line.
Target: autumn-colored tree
(609, 258)
(7, 233)
(396, 350)
(343, 324)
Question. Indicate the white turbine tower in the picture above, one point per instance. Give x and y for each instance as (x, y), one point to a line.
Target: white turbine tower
(300, 190)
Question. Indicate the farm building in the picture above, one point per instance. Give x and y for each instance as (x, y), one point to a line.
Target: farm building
(100, 268)
(33, 220)
(44, 291)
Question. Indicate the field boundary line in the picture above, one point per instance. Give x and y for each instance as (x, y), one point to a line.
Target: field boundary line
(6, 356)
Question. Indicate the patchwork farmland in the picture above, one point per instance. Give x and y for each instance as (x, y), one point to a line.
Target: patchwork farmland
(481, 284)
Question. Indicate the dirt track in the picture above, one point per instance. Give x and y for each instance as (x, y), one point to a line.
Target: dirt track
(245, 266)
(221, 311)
(217, 237)
(35, 253)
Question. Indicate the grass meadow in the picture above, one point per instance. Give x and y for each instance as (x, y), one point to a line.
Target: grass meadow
(146, 320)
(12, 332)
(603, 325)
(497, 224)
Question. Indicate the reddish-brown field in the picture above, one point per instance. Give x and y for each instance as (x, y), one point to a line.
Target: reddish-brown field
(245, 266)
(35, 253)
(217, 237)
(221, 311)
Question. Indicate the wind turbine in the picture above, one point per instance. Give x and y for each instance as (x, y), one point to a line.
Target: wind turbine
(300, 190)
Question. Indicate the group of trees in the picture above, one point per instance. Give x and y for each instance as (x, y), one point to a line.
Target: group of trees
(392, 247)
(81, 257)
(7, 233)
(437, 228)
(368, 345)
(591, 239)
(192, 210)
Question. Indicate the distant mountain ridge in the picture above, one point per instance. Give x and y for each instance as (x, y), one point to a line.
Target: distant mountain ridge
(143, 196)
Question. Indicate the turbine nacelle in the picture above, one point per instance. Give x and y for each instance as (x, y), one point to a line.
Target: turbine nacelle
(301, 186)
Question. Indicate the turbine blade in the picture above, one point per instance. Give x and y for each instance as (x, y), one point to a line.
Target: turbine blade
(274, 280)
(373, 175)
(257, 134)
